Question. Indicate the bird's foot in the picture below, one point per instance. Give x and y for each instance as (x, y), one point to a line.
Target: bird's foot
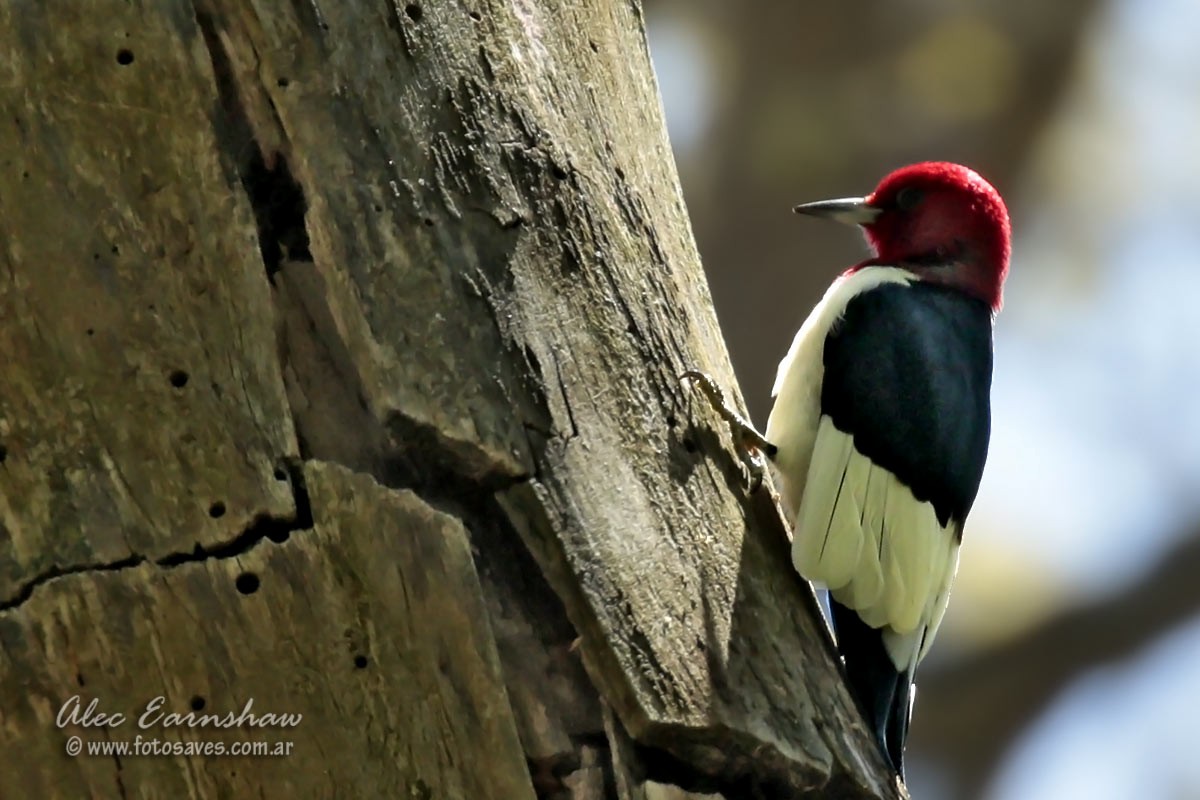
(752, 447)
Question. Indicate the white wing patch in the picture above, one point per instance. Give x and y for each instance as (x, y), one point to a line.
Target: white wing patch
(879, 550)
(793, 422)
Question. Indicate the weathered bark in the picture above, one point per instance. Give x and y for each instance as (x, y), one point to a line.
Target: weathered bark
(341, 350)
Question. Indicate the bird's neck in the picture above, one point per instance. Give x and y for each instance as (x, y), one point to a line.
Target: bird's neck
(981, 281)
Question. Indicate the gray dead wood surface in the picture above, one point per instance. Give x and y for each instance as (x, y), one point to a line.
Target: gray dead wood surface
(382, 304)
(377, 654)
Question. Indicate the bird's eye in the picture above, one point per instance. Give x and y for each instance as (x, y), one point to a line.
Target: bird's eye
(908, 198)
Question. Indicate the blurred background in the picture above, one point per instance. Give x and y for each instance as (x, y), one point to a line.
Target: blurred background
(1069, 662)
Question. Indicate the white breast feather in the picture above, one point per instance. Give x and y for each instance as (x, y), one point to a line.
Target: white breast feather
(878, 550)
(865, 592)
(835, 546)
(792, 426)
(845, 509)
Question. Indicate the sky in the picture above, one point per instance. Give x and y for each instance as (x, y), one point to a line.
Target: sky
(1095, 372)
(1094, 469)
(1103, 386)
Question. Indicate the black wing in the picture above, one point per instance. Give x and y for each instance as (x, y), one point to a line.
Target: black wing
(908, 374)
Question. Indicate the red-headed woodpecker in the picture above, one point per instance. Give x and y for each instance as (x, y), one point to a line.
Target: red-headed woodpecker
(880, 427)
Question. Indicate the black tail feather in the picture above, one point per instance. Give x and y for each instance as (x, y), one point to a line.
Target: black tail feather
(882, 690)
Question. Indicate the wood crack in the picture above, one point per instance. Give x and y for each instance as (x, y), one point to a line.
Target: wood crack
(26, 589)
(275, 196)
(264, 526)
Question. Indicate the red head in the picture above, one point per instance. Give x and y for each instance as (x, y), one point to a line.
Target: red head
(940, 220)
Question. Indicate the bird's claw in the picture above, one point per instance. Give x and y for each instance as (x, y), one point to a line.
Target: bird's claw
(752, 447)
(756, 467)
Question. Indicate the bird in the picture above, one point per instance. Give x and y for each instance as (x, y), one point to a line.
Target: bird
(878, 435)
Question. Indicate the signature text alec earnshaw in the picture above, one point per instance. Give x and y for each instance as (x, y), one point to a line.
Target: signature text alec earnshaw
(73, 712)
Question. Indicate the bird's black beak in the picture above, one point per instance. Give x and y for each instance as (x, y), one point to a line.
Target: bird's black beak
(847, 210)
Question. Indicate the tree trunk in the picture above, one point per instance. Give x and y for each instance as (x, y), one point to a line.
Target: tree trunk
(342, 344)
